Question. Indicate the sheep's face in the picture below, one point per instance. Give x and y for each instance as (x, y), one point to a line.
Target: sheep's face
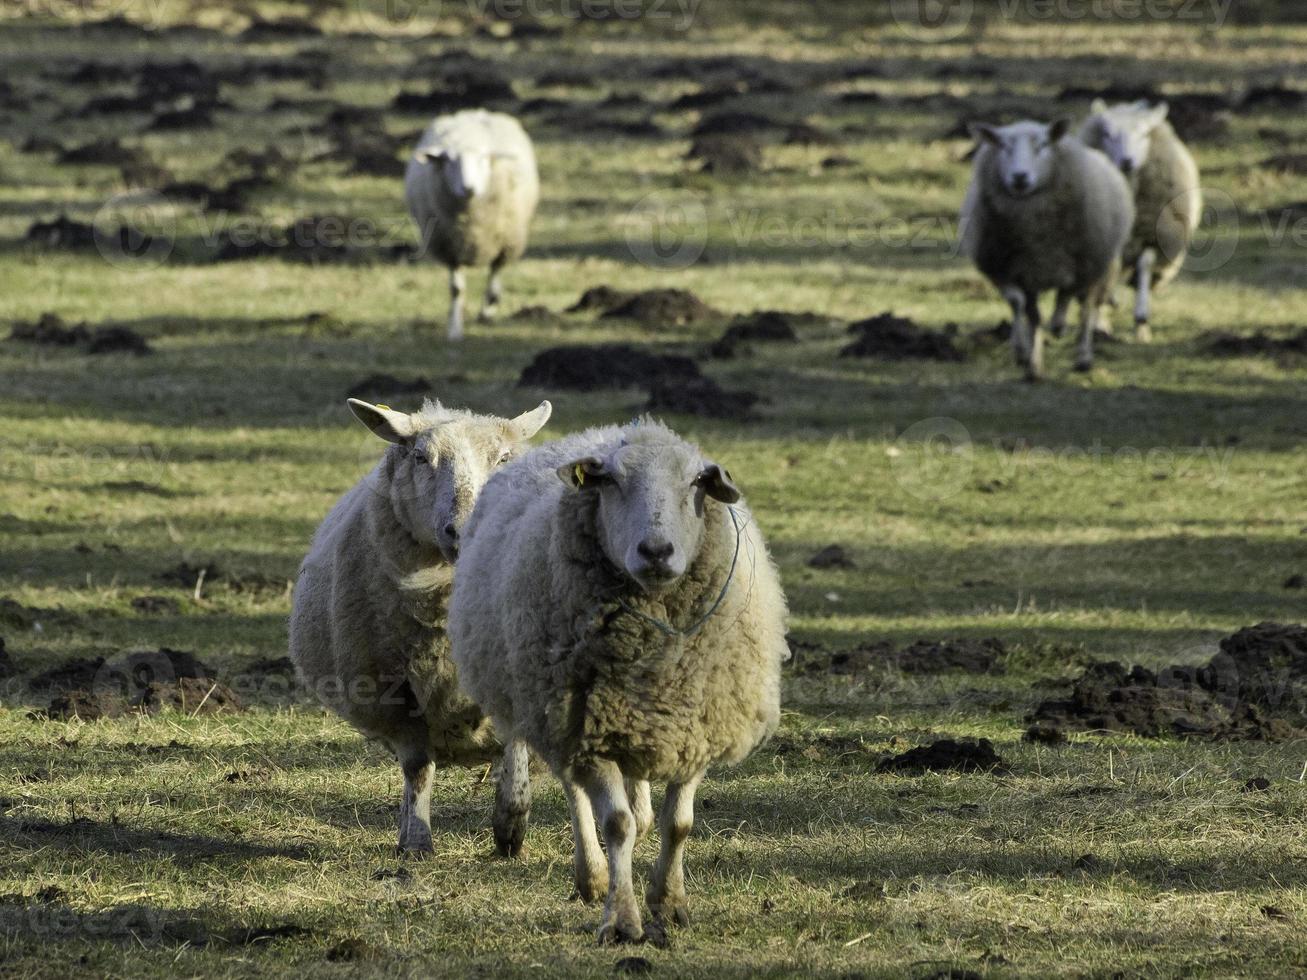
(1023, 153)
(466, 174)
(1125, 132)
(448, 457)
(651, 506)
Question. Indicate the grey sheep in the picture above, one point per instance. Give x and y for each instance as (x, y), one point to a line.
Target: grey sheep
(472, 189)
(1168, 200)
(367, 625)
(1043, 211)
(615, 607)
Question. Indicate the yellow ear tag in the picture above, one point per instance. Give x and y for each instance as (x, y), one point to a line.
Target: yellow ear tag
(384, 408)
(579, 473)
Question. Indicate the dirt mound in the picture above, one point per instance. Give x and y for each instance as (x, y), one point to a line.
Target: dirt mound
(61, 233)
(108, 152)
(1254, 689)
(733, 123)
(919, 657)
(663, 308)
(1225, 344)
(51, 331)
(315, 240)
(476, 88)
(378, 385)
(7, 668)
(196, 116)
(701, 396)
(897, 338)
(764, 325)
(185, 575)
(156, 605)
(601, 298)
(806, 134)
(284, 29)
(582, 368)
(143, 681)
(1274, 97)
(727, 153)
(946, 755)
(831, 556)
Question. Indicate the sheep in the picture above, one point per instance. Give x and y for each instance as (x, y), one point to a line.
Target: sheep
(1044, 212)
(1168, 201)
(367, 630)
(615, 607)
(472, 188)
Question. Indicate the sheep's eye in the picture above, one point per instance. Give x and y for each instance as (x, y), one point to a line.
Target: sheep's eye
(505, 456)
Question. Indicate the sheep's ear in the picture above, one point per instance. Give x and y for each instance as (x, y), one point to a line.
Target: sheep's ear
(431, 155)
(716, 483)
(1058, 128)
(1097, 106)
(393, 426)
(1159, 113)
(584, 473)
(529, 423)
(984, 132)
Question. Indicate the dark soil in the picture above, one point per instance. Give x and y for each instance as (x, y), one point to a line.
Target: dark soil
(1254, 689)
(21, 617)
(1295, 581)
(831, 556)
(108, 152)
(156, 605)
(111, 340)
(663, 308)
(601, 298)
(919, 657)
(1224, 344)
(1286, 163)
(897, 338)
(1045, 735)
(191, 117)
(147, 681)
(582, 368)
(7, 668)
(732, 123)
(764, 325)
(50, 330)
(1274, 97)
(470, 90)
(185, 575)
(946, 755)
(379, 385)
(727, 154)
(702, 396)
(285, 29)
(806, 134)
(316, 240)
(61, 233)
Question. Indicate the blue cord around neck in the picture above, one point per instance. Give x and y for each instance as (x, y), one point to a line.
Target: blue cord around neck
(690, 630)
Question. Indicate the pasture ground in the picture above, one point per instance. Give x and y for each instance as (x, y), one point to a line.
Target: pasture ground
(1139, 513)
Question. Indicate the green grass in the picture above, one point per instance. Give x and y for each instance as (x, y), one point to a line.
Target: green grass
(1139, 513)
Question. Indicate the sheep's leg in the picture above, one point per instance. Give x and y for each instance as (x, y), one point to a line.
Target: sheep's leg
(603, 781)
(591, 873)
(1143, 287)
(415, 809)
(666, 896)
(1088, 324)
(1020, 342)
(494, 292)
(456, 288)
(637, 791)
(512, 799)
(1057, 325)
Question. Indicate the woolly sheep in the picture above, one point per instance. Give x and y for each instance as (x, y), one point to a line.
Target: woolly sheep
(1045, 212)
(367, 630)
(1168, 201)
(472, 188)
(615, 607)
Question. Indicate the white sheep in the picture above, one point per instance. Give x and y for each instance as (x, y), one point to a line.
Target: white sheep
(1168, 200)
(1045, 212)
(367, 627)
(615, 607)
(472, 188)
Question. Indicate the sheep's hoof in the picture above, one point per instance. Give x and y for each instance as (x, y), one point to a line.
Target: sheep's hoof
(620, 930)
(416, 851)
(591, 889)
(510, 836)
(1143, 332)
(671, 911)
(488, 315)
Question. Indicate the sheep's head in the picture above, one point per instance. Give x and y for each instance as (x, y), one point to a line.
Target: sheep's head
(1023, 152)
(465, 173)
(652, 495)
(448, 456)
(1125, 131)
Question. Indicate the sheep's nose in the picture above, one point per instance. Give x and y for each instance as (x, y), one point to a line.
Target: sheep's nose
(1127, 166)
(451, 532)
(1020, 181)
(655, 549)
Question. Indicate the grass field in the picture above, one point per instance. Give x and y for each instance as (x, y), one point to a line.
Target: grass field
(1139, 513)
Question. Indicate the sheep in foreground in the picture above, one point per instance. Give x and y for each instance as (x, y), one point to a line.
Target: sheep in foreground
(367, 629)
(615, 607)
(1168, 201)
(472, 188)
(1045, 212)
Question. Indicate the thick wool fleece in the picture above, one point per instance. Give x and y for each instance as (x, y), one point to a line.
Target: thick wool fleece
(489, 228)
(1066, 236)
(367, 631)
(543, 643)
(1168, 204)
